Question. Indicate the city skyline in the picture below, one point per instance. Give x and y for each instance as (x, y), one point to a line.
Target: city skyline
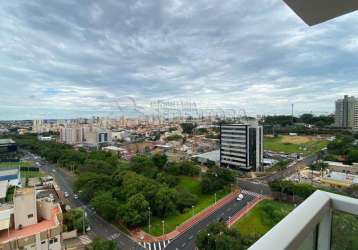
(65, 60)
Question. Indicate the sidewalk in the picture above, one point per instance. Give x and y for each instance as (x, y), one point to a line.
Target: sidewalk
(142, 236)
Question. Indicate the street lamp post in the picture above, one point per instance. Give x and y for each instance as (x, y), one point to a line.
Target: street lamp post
(192, 209)
(149, 219)
(163, 226)
(229, 221)
(83, 221)
(215, 197)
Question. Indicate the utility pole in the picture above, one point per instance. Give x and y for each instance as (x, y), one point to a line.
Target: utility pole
(163, 226)
(215, 197)
(292, 112)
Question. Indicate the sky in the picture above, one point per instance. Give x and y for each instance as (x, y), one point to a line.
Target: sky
(70, 58)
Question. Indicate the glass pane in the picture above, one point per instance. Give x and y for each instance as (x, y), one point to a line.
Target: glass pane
(310, 242)
(344, 231)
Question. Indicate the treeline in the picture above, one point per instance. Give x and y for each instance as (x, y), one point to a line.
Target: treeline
(219, 236)
(344, 148)
(286, 120)
(145, 182)
(124, 191)
(65, 156)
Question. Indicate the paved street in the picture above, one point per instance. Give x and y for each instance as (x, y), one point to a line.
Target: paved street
(187, 239)
(102, 228)
(99, 226)
(290, 170)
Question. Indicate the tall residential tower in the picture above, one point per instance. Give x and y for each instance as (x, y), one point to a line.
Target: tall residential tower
(346, 114)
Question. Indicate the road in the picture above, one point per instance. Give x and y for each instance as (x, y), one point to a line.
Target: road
(186, 241)
(292, 169)
(103, 229)
(99, 226)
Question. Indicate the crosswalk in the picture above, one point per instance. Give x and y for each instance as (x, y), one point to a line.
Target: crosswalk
(113, 236)
(160, 245)
(85, 240)
(250, 193)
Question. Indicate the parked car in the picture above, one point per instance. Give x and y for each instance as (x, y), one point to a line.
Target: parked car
(66, 195)
(75, 196)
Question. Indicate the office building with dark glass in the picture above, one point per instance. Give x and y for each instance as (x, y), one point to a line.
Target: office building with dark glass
(241, 146)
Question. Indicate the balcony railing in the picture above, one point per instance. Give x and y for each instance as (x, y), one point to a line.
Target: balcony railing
(309, 226)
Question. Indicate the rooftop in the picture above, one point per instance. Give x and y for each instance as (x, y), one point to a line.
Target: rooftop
(24, 191)
(42, 226)
(7, 141)
(212, 155)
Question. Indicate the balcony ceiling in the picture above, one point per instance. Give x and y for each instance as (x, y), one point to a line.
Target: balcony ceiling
(314, 12)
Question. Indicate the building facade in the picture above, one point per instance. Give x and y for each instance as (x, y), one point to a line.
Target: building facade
(8, 150)
(84, 134)
(30, 223)
(346, 113)
(241, 147)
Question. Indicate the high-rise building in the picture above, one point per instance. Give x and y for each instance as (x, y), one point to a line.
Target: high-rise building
(346, 114)
(241, 146)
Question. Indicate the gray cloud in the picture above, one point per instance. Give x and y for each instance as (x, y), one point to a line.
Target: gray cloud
(81, 55)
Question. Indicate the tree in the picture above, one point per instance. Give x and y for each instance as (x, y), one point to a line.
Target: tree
(185, 199)
(165, 201)
(134, 213)
(144, 165)
(91, 183)
(98, 166)
(73, 219)
(167, 179)
(352, 156)
(215, 179)
(99, 244)
(159, 160)
(186, 168)
(188, 127)
(218, 236)
(306, 118)
(105, 204)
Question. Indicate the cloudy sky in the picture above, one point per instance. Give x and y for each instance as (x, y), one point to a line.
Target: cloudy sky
(67, 58)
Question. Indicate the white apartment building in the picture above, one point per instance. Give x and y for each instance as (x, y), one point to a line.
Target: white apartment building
(346, 113)
(84, 133)
(241, 146)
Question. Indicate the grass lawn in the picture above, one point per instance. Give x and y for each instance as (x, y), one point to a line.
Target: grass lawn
(254, 223)
(294, 144)
(21, 164)
(204, 201)
(31, 174)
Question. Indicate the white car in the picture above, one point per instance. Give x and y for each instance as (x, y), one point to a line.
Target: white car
(66, 195)
(240, 197)
(75, 196)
